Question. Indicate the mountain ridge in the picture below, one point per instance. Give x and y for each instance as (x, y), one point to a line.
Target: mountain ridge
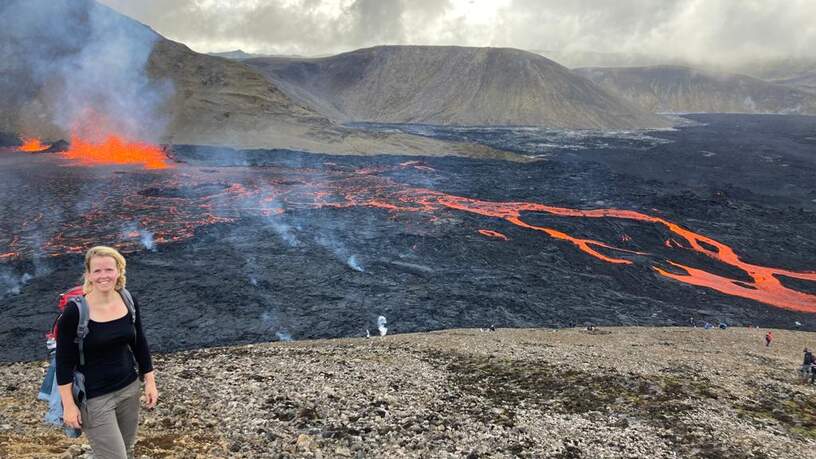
(676, 88)
(451, 85)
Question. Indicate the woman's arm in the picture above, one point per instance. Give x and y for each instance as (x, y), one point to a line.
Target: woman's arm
(150, 390)
(66, 359)
(142, 353)
(67, 356)
(70, 412)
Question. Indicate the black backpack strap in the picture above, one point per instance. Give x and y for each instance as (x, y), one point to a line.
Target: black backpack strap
(82, 325)
(128, 299)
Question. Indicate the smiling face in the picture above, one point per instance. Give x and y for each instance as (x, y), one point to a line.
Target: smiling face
(103, 273)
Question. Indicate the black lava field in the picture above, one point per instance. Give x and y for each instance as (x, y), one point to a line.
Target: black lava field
(711, 222)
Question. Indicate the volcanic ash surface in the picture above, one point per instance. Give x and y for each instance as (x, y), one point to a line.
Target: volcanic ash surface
(616, 392)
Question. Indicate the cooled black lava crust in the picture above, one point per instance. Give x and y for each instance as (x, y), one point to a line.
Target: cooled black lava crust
(746, 181)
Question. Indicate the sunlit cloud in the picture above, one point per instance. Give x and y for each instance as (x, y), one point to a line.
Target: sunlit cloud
(694, 30)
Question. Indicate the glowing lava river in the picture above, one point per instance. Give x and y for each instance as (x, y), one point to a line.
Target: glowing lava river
(356, 231)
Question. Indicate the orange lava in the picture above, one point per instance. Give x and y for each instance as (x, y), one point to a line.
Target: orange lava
(33, 145)
(115, 150)
(174, 218)
(764, 287)
(496, 234)
(512, 213)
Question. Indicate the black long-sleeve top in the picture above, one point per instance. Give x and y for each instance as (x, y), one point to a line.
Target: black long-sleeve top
(110, 348)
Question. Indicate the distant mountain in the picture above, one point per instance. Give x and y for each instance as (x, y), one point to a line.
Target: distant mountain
(224, 102)
(791, 71)
(796, 72)
(778, 69)
(684, 89)
(804, 81)
(240, 54)
(451, 85)
(576, 59)
(97, 70)
(237, 54)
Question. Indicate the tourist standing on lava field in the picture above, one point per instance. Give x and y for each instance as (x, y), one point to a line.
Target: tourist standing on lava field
(109, 415)
(768, 339)
(807, 366)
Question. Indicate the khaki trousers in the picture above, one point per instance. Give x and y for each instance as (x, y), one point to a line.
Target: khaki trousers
(110, 422)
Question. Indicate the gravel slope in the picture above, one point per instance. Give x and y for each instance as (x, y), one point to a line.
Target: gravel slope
(617, 392)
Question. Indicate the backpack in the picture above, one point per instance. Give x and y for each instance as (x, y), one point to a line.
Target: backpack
(48, 388)
(77, 296)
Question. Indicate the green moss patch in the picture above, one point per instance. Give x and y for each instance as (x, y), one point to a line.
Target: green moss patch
(538, 383)
(794, 411)
(660, 400)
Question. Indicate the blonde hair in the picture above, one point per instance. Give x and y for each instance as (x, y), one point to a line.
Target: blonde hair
(104, 251)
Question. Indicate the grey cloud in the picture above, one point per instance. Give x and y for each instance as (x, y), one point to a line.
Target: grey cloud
(376, 20)
(300, 27)
(706, 31)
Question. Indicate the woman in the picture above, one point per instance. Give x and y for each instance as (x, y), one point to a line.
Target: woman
(115, 341)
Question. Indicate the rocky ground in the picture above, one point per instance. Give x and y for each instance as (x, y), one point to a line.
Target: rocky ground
(570, 393)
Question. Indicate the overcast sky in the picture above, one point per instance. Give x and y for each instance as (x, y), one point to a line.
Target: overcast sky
(707, 31)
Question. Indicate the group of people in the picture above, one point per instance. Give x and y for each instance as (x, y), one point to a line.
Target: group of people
(808, 368)
(709, 325)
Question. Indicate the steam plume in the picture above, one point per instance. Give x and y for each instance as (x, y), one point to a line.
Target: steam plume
(381, 322)
(78, 67)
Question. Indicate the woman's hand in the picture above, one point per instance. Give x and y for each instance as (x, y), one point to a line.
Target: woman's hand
(71, 416)
(150, 391)
(70, 411)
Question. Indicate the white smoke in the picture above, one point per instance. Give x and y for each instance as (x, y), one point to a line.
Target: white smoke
(268, 205)
(285, 232)
(252, 270)
(270, 321)
(80, 67)
(283, 335)
(12, 283)
(354, 264)
(381, 322)
(340, 251)
(749, 104)
(796, 109)
(145, 236)
(268, 318)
